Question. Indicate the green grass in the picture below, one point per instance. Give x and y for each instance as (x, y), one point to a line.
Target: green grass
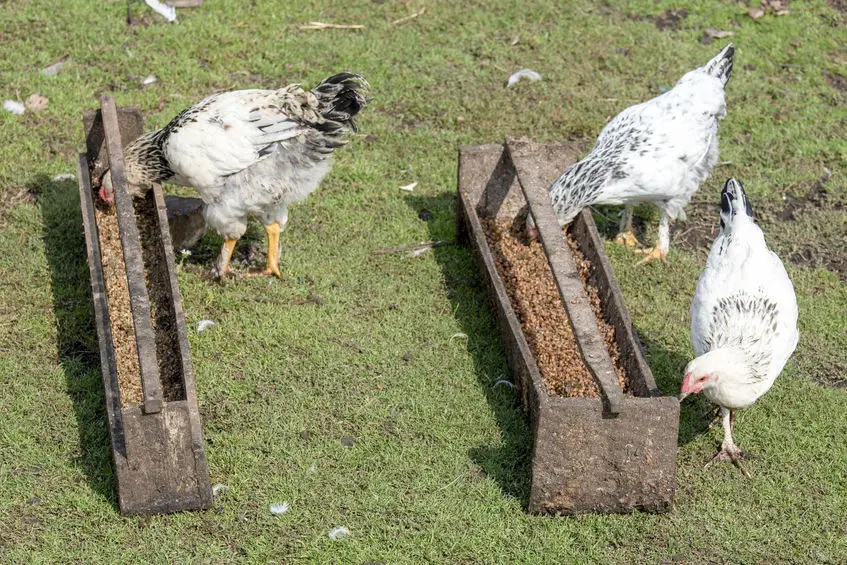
(439, 470)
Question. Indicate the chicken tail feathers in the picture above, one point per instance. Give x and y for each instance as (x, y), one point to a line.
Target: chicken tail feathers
(734, 201)
(721, 66)
(341, 97)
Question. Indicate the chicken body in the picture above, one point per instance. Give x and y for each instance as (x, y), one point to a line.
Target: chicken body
(743, 317)
(250, 152)
(658, 151)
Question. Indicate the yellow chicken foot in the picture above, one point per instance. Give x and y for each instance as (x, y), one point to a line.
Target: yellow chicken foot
(273, 231)
(221, 268)
(625, 235)
(272, 268)
(627, 239)
(652, 254)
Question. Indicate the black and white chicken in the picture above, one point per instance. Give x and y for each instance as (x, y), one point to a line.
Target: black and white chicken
(658, 151)
(249, 152)
(743, 318)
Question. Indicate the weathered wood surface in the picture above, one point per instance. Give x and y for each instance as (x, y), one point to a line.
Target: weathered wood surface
(534, 176)
(160, 464)
(585, 457)
(130, 241)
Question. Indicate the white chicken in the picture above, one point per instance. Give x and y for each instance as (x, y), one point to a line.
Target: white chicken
(658, 151)
(743, 318)
(249, 152)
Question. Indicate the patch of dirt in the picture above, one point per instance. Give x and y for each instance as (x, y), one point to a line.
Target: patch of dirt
(836, 81)
(671, 19)
(806, 227)
(840, 5)
(532, 289)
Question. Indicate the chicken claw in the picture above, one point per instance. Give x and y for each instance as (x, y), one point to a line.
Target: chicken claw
(730, 453)
(627, 239)
(652, 254)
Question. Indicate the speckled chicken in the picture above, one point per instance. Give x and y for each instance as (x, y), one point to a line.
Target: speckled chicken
(743, 318)
(658, 151)
(249, 152)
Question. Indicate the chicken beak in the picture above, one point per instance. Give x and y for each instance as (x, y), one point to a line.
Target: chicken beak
(686, 389)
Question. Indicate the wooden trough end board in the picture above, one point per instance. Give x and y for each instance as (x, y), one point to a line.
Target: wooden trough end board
(160, 463)
(575, 299)
(585, 458)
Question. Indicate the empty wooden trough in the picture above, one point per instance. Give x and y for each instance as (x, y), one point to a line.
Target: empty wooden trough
(608, 454)
(154, 422)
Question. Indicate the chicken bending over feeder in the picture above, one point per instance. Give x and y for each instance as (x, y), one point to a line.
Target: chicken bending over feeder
(249, 152)
(743, 318)
(658, 151)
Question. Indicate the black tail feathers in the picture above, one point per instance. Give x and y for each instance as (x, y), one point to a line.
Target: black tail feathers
(734, 201)
(342, 97)
(721, 65)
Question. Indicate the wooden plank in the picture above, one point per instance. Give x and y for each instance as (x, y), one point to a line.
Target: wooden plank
(139, 300)
(101, 308)
(581, 316)
(641, 380)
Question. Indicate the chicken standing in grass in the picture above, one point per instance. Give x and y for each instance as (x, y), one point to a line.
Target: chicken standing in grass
(743, 318)
(249, 152)
(658, 151)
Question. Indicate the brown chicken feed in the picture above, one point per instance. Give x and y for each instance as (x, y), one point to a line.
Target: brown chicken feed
(529, 281)
(161, 310)
(120, 315)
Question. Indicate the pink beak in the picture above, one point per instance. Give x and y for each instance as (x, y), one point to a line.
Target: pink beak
(687, 387)
(106, 197)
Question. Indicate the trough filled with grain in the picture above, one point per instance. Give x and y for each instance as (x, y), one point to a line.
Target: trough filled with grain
(148, 378)
(604, 437)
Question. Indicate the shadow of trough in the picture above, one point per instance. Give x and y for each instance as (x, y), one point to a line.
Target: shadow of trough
(77, 345)
(508, 463)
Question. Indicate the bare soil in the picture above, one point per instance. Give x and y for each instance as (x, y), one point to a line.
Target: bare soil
(804, 227)
(529, 281)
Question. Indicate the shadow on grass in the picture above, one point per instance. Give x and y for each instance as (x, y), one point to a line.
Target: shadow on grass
(78, 353)
(508, 463)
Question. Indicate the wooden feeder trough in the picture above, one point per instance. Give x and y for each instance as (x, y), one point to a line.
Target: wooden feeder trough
(612, 453)
(154, 422)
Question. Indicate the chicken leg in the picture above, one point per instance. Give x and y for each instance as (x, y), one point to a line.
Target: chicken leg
(272, 266)
(221, 268)
(625, 236)
(729, 451)
(660, 250)
(273, 232)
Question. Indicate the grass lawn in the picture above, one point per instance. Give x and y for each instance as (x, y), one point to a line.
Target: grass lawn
(438, 472)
